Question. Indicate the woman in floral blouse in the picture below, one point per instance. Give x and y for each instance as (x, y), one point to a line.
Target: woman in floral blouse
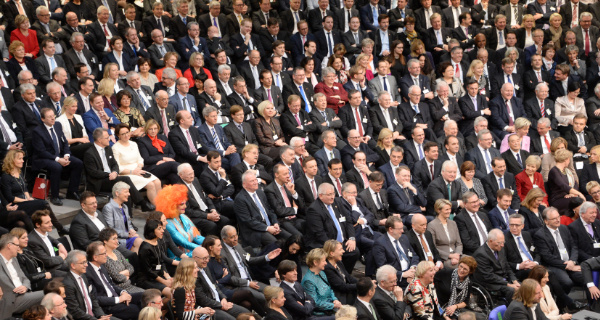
(421, 295)
(316, 285)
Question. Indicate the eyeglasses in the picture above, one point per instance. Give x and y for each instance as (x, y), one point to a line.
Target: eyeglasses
(14, 244)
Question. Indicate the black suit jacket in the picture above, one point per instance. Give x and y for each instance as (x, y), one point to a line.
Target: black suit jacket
(154, 113)
(289, 125)
(379, 122)
(468, 231)
(180, 144)
(469, 113)
(277, 202)
(101, 295)
(193, 206)
(94, 169)
(239, 139)
(409, 117)
(437, 189)
(305, 190)
(25, 119)
(535, 146)
(437, 111)
(240, 168)
(492, 273)
(319, 226)
(512, 165)
(302, 310)
(95, 36)
(379, 214)
(573, 141)
(322, 42)
(490, 184)
(287, 19)
(12, 126)
(251, 222)
(585, 242)
(415, 242)
(76, 304)
(83, 231)
(548, 250)
(39, 248)
(71, 59)
(513, 255)
(363, 313)
(348, 151)
(346, 114)
(421, 173)
(387, 307)
(533, 112)
(431, 40)
(291, 88)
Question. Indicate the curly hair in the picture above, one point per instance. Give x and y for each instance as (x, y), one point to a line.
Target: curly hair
(169, 198)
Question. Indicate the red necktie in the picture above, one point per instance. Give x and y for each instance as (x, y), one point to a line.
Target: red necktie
(587, 42)
(106, 34)
(365, 179)
(547, 143)
(457, 72)
(339, 185)
(359, 123)
(542, 109)
(431, 170)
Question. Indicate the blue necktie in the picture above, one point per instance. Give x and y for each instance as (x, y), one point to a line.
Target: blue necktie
(340, 236)
(262, 210)
(216, 139)
(501, 183)
(144, 103)
(401, 253)
(385, 87)
(55, 141)
(523, 248)
(277, 82)
(184, 20)
(510, 81)
(375, 17)
(57, 107)
(35, 110)
(420, 151)
(306, 104)
(134, 51)
(519, 160)
(52, 64)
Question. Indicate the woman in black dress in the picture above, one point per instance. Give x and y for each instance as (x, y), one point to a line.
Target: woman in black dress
(158, 154)
(166, 243)
(153, 272)
(19, 61)
(14, 189)
(275, 301)
(73, 128)
(31, 265)
(561, 180)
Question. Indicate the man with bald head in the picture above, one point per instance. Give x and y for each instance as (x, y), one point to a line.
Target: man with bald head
(162, 112)
(251, 69)
(445, 187)
(211, 296)
(422, 241)
(211, 97)
(506, 108)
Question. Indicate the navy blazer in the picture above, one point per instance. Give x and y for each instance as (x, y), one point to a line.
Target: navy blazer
(399, 203)
(490, 184)
(346, 114)
(92, 122)
(499, 118)
(322, 160)
(320, 227)
(474, 155)
(175, 101)
(298, 47)
(406, 82)
(206, 134)
(322, 43)
(348, 151)
(468, 231)
(128, 63)
(44, 146)
(366, 17)
(299, 311)
(186, 48)
(390, 176)
(101, 295)
(585, 243)
(497, 218)
(384, 252)
(251, 222)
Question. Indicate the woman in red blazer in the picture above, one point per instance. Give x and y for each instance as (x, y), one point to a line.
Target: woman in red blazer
(26, 35)
(337, 96)
(530, 178)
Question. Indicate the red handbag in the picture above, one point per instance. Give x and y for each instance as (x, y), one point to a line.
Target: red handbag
(41, 188)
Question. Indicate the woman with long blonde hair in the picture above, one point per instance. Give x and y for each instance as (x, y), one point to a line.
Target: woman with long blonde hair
(184, 291)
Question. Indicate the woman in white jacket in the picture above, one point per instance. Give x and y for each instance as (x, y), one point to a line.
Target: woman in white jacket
(73, 128)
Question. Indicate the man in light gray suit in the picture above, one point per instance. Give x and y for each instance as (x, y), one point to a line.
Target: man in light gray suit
(385, 82)
(182, 100)
(142, 97)
(17, 290)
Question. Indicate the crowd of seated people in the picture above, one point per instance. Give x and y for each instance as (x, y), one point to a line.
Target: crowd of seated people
(272, 145)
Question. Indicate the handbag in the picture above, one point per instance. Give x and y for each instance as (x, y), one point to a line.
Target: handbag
(41, 187)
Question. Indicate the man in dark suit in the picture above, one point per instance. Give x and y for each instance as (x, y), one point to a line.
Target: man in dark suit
(14, 8)
(317, 15)
(493, 271)
(328, 152)
(217, 186)
(200, 208)
(388, 169)
(215, 139)
(580, 140)
(521, 254)
(11, 135)
(250, 156)
(244, 42)
(327, 38)
(102, 169)
(437, 37)
(427, 169)
(114, 300)
(585, 231)
(129, 21)
(53, 154)
(452, 14)
(74, 55)
(542, 137)
(298, 40)
(353, 146)
(344, 17)
(97, 34)
(191, 43)
(545, 8)
(375, 199)
(211, 97)
(383, 35)
(80, 294)
(388, 298)
(444, 107)
(72, 25)
(415, 113)
(472, 105)
(473, 225)
(558, 250)
(566, 11)
(335, 175)
(502, 122)
(500, 179)
(158, 49)
(162, 112)
(268, 91)
(515, 157)
(398, 16)
(308, 183)
(290, 17)
(240, 134)
(297, 302)
(445, 187)
(423, 14)
(360, 171)
(47, 28)
(53, 259)
(183, 100)
(540, 103)
(142, 96)
(156, 20)
(365, 289)
(485, 16)
(421, 241)
(362, 124)
(234, 18)
(213, 18)
(260, 17)
(180, 137)
(413, 148)
(26, 114)
(405, 199)
(258, 222)
(48, 61)
(284, 200)
(295, 122)
(389, 120)
(499, 214)
(395, 250)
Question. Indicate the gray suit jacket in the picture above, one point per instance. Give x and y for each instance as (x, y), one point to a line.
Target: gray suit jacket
(7, 286)
(114, 218)
(260, 94)
(441, 240)
(137, 102)
(236, 280)
(376, 86)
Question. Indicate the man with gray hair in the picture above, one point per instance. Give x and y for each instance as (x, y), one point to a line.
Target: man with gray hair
(141, 95)
(257, 221)
(26, 112)
(167, 83)
(225, 81)
(386, 117)
(447, 187)
(80, 298)
(47, 28)
(241, 96)
(56, 306)
(389, 297)
(539, 106)
(80, 54)
(415, 78)
(520, 251)
(159, 47)
(99, 32)
(585, 231)
(162, 112)
(216, 140)
(541, 138)
(415, 113)
(117, 216)
(444, 107)
(493, 271)
(211, 97)
(183, 100)
(192, 43)
(16, 287)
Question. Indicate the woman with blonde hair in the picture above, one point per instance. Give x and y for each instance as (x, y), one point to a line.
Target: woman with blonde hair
(316, 285)
(421, 295)
(157, 152)
(185, 291)
(525, 33)
(475, 72)
(150, 313)
(74, 128)
(197, 68)
(268, 130)
(548, 160)
(19, 61)
(275, 301)
(555, 33)
(364, 60)
(342, 282)
(170, 60)
(26, 35)
(522, 126)
(529, 178)
(111, 71)
(532, 207)
(106, 89)
(385, 144)
(445, 234)
(561, 180)
(417, 48)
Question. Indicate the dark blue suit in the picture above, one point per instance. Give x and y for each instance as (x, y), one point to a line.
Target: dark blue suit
(406, 82)
(499, 118)
(228, 161)
(186, 48)
(384, 252)
(252, 223)
(366, 17)
(365, 93)
(175, 101)
(399, 203)
(322, 44)
(128, 63)
(390, 176)
(497, 218)
(47, 150)
(322, 160)
(298, 47)
(529, 52)
(91, 121)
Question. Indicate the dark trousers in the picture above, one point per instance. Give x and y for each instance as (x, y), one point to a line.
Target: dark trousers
(230, 314)
(135, 195)
(349, 258)
(208, 227)
(225, 207)
(124, 311)
(166, 171)
(56, 172)
(230, 161)
(566, 278)
(293, 226)
(267, 238)
(79, 149)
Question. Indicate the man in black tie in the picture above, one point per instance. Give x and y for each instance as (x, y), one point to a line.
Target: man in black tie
(297, 302)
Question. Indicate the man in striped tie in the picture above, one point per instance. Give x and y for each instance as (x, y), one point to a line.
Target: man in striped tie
(215, 138)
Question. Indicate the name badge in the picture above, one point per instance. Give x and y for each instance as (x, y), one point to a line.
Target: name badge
(14, 125)
(532, 248)
(247, 257)
(198, 146)
(451, 250)
(171, 123)
(365, 120)
(563, 251)
(429, 254)
(395, 121)
(535, 186)
(158, 267)
(335, 88)
(39, 269)
(425, 91)
(410, 254)
(343, 219)
(579, 165)
(275, 137)
(245, 142)
(194, 109)
(306, 139)
(596, 245)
